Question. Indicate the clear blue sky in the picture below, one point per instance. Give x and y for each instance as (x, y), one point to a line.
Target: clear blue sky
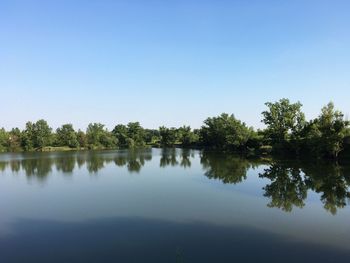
(169, 62)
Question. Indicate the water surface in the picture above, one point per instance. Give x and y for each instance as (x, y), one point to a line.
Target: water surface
(171, 205)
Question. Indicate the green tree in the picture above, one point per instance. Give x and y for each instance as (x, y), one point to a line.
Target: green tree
(225, 132)
(99, 137)
(66, 136)
(132, 135)
(120, 131)
(36, 135)
(186, 136)
(151, 136)
(284, 121)
(94, 133)
(27, 137)
(4, 136)
(136, 135)
(256, 140)
(325, 135)
(14, 140)
(82, 139)
(107, 140)
(168, 136)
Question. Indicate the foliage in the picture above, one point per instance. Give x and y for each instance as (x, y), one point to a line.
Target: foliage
(225, 132)
(121, 133)
(186, 136)
(36, 135)
(168, 136)
(82, 139)
(151, 136)
(14, 140)
(132, 135)
(284, 121)
(66, 136)
(286, 132)
(27, 140)
(3, 140)
(326, 134)
(99, 137)
(136, 135)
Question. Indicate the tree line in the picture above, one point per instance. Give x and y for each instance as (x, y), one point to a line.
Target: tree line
(286, 132)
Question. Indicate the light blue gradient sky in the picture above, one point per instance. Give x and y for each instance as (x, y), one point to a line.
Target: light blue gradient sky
(169, 62)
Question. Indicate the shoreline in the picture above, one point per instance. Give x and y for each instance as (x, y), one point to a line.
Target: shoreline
(343, 157)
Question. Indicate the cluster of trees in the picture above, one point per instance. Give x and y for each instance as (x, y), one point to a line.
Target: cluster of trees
(40, 136)
(286, 132)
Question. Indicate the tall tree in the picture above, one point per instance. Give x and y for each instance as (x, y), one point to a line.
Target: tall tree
(4, 136)
(168, 136)
(36, 135)
(27, 137)
(136, 135)
(66, 136)
(120, 131)
(14, 140)
(225, 132)
(326, 133)
(186, 136)
(82, 140)
(98, 136)
(151, 136)
(284, 121)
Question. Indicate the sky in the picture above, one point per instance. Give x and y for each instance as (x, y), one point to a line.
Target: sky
(169, 62)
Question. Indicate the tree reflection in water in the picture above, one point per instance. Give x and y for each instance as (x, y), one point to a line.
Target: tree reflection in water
(288, 186)
(174, 157)
(168, 157)
(65, 165)
(133, 159)
(230, 169)
(40, 166)
(331, 182)
(290, 182)
(185, 160)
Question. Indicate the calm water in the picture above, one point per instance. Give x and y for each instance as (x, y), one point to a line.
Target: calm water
(171, 206)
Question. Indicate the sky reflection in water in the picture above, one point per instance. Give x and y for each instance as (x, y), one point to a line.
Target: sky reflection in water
(171, 205)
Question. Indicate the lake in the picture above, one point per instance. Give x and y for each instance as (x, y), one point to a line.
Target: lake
(171, 205)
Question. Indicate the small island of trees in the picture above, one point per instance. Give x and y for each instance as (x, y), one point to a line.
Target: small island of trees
(287, 132)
